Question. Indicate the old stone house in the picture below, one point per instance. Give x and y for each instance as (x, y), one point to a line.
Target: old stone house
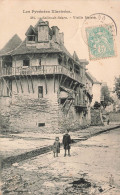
(45, 83)
(94, 87)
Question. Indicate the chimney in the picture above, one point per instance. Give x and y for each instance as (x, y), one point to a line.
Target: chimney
(61, 35)
(55, 31)
(43, 31)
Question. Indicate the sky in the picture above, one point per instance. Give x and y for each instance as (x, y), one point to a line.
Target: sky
(17, 15)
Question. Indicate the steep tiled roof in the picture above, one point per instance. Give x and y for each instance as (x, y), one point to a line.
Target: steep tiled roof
(16, 47)
(23, 49)
(11, 45)
(93, 79)
(63, 49)
(76, 58)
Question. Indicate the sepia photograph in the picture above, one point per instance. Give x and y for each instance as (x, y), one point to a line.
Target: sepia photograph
(60, 97)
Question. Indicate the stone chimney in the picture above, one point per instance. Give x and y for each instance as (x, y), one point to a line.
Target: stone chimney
(43, 31)
(55, 36)
(61, 35)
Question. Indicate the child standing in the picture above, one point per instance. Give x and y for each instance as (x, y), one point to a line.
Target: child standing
(67, 142)
(56, 147)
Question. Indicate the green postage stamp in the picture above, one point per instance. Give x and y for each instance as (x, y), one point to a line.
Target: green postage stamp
(101, 42)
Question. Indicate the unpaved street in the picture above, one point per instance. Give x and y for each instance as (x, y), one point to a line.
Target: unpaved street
(87, 171)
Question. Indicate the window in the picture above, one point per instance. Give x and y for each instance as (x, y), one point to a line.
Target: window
(31, 37)
(26, 62)
(41, 124)
(60, 60)
(40, 91)
(65, 60)
(76, 69)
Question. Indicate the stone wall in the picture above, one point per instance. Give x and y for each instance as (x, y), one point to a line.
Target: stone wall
(27, 112)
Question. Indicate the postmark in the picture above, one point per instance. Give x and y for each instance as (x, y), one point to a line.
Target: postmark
(99, 32)
(101, 43)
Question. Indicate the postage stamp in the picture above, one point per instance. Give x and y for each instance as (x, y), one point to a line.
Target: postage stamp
(101, 42)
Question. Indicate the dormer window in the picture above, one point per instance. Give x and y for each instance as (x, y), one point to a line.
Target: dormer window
(31, 37)
(31, 34)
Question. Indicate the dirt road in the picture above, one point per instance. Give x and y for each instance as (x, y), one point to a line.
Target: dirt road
(91, 169)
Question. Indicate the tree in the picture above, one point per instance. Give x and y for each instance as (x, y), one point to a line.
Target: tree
(105, 93)
(117, 87)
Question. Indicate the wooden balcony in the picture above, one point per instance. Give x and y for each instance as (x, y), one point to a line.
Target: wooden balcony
(39, 70)
(81, 105)
(89, 91)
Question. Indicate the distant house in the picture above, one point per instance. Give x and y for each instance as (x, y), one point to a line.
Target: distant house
(94, 87)
(41, 70)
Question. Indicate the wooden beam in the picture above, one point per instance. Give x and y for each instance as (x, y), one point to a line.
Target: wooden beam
(2, 86)
(21, 84)
(28, 83)
(75, 85)
(70, 103)
(7, 86)
(61, 78)
(16, 85)
(65, 79)
(45, 83)
(71, 84)
(54, 82)
(59, 83)
(32, 84)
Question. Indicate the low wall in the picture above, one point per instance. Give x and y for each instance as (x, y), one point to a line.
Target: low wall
(114, 116)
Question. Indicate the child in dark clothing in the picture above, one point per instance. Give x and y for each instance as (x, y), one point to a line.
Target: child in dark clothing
(56, 147)
(66, 142)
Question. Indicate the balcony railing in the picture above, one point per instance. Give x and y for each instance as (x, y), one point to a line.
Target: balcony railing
(80, 104)
(40, 70)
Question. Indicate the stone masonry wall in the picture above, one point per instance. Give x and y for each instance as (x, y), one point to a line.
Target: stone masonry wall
(26, 112)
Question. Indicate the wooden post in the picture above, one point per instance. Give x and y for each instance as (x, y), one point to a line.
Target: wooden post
(75, 85)
(43, 69)
(54, 82)
(21, 85)
(46, 84)
(15, 65)
(54, 78)
(71, 84)
(32, 84)
(28, 84)
(1, 68)
(2, 86)
(73, 67)
(7, 86)
(16, 85)
(64, 80)
(58, 83)
(61, 78)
